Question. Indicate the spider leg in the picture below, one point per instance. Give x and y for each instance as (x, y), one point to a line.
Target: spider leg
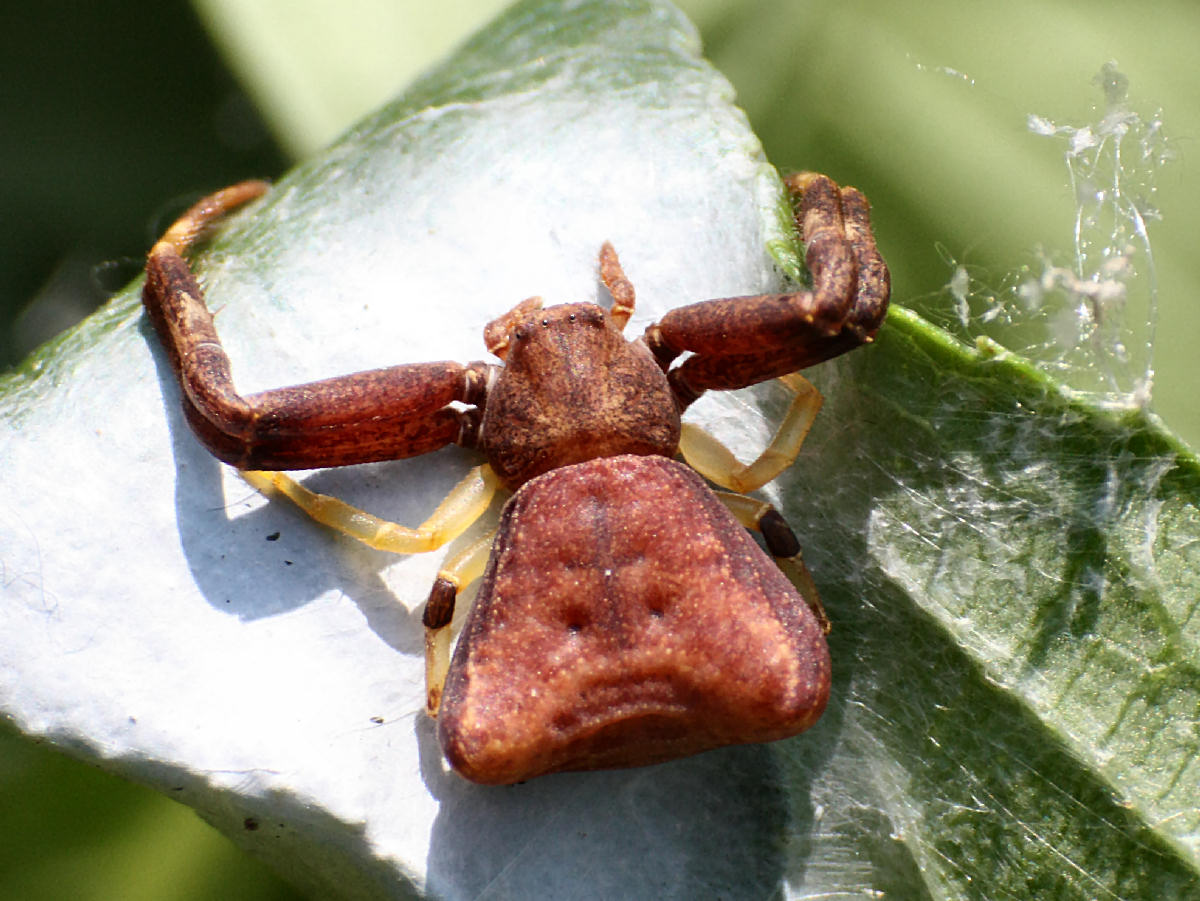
(715, 462)
(741, 341)
(383, 414)
(456, 573)
(781, 542)
(462, 506)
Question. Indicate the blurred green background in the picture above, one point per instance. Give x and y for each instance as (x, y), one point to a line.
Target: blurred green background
(116, 114)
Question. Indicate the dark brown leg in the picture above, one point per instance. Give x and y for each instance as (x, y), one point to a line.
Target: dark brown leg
(382, 414)
(741, 341)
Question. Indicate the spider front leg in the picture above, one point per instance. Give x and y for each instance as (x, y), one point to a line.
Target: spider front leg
(740, 341)
(383, 414)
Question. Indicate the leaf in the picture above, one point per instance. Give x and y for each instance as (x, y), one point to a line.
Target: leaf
(1014, 589)
(1014, 711)
(149, 621)
(315, 68)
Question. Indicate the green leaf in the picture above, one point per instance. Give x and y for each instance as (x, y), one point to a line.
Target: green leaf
(1014, 588)
(1010, 569)
(315, 68)
(927, 110)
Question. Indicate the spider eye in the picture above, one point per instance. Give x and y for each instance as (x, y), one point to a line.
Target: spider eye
(571, 317)
(545, 323)
(519, 333)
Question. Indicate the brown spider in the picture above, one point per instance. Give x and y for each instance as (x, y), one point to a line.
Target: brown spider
(625, 615)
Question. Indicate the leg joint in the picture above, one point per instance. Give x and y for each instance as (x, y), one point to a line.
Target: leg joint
(439, 609)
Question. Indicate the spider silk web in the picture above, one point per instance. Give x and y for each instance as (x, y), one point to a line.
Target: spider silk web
(1087, 316)
(1010, 590)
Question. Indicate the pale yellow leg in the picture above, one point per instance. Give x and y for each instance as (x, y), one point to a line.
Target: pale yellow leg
(750, 512)
(459, 571)
(716, 462)
(463, 505)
